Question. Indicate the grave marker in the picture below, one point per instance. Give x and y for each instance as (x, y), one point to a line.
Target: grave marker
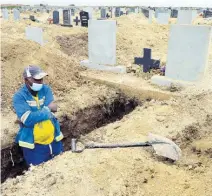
(163, 18)
(66, 18)
(190, 61)
(151, 13)
(56, 17)
(84, 17)
(194, 14)
(207, 13)
(5, 14)
(117, 11)
(103, 13)
(145, 12)
(73, 12)
(32, 18)
(174, 13)
(35, 34)
(113, 12)
(76, 20)
(16, 14)
(102, 42)
(146, 61)
(184, 17)
(102, 46)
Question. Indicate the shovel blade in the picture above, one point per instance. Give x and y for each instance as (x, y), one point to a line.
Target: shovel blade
(166, 148)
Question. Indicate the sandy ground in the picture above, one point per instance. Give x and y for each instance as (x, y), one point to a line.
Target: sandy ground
(186, 119)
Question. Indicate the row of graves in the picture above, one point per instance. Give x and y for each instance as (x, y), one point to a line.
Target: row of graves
(185, 64)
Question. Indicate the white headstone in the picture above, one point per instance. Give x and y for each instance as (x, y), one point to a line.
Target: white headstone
(163, 18)
(194, 14)
(34, 34)
(188, 51)
(151, 12)
(16, 14)
(102, 41)
(113, 11)
(5, 14)
(185, 17)
(90, 12)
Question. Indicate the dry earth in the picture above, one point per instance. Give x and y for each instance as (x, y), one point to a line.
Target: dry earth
(187, 119)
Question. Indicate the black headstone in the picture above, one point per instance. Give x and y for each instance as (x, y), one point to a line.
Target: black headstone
(84, 17)
(56, 18)
(32, 18)
(146, 61)
(174, 13)
(145, 12)
(117, 11)
(207, 14)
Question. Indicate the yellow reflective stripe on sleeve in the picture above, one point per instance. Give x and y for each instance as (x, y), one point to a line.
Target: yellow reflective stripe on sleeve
(26, 145)
(60, 137)
(25, 116)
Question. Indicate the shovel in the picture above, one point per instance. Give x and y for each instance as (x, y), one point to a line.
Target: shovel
(162, 146)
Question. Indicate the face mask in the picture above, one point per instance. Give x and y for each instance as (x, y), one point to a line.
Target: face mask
(36, 86)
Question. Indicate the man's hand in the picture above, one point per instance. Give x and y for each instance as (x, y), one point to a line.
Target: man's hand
(53, 107)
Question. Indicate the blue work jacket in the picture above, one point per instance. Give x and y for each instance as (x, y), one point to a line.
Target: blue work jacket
(28, 113)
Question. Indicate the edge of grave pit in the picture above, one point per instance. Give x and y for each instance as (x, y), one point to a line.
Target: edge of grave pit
(132, 86)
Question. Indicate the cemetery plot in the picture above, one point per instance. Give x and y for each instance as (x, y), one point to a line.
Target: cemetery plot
(88, 100)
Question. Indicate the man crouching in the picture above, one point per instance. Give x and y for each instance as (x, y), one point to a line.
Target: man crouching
(39, 135)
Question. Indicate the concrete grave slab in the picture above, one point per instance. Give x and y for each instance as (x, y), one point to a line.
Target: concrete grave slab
(102, 41)
(163, 18)
(185, 16)
(130, 85)
(188, 51)
(114, 69)
(35, 34)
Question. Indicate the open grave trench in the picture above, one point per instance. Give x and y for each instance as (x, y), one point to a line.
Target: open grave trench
(80, 123)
